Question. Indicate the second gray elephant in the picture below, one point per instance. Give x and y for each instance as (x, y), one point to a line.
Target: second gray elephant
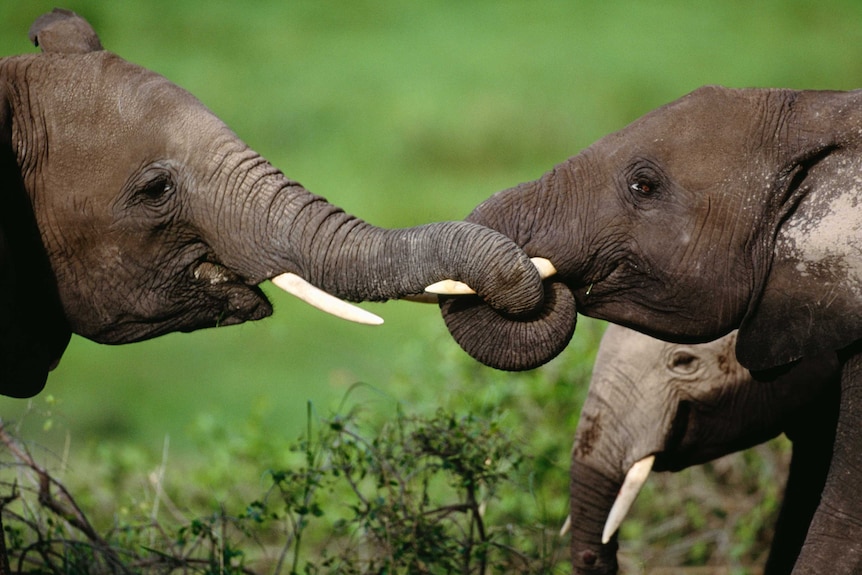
(663, 406)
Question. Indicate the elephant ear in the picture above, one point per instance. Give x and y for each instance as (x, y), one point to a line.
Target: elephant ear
(63, 31)
(797, 316)
(811, 301)
(33, 328)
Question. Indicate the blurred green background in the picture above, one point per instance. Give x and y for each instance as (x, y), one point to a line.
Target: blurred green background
(402, 113)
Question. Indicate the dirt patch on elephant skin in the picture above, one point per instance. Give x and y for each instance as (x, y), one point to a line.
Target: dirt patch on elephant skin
(723, 364)
(590, 432)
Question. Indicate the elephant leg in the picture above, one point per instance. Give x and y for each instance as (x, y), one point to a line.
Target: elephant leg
(813, 435)
(834, 541)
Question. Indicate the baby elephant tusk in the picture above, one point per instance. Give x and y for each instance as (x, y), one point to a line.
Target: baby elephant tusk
(567, 525)
(635, 479)
(452, 287)
(295, 285)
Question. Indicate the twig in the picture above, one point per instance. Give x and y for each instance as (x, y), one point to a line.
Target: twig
(70, 513)
(5, 569)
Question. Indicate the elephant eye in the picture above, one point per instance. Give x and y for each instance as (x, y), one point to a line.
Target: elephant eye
(683, 362)
(643, 188)
(644, 179)
(156, 190)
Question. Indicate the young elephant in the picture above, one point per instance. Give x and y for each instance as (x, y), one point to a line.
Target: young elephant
(664, 406)
(128, 210)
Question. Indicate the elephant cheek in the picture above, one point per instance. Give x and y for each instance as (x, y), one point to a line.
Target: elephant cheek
(512, 344)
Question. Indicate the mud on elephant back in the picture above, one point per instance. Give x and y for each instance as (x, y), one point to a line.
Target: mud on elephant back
(128, 210)
(726, 209)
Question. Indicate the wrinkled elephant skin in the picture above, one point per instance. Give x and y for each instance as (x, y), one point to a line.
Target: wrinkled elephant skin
(128, 210)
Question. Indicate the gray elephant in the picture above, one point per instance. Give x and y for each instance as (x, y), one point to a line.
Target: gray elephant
(724, 209)
(128, 210)
(663, 406)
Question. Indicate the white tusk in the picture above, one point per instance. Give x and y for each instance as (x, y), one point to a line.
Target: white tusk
(452, 287)
(295, 285)
(566, 526)
(545, 267)
(635, 479)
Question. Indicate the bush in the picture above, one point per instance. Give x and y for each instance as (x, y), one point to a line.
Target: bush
(414, 497)
(473, 480)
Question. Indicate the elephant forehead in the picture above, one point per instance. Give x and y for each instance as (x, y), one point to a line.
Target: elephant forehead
(166, 115)
(703, 137)
(98, 99)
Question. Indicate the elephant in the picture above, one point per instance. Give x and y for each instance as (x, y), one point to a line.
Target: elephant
(129, 210)
(664, 406)
(725, 209)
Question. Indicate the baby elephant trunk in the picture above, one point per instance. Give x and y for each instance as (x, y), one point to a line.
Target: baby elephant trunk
(592, 496)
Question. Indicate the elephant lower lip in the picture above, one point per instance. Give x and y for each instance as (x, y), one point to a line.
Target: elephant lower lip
(674, 443)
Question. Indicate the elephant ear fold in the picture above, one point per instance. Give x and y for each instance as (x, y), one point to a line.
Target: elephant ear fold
(28, 348)
(34, 331)
(798, 315)
(811, 299)
(64, 32)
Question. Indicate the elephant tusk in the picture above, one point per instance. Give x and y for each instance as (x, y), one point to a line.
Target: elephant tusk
(635, 479)
(295, 285)
(545, 267)
(452, 287)
(567, 525)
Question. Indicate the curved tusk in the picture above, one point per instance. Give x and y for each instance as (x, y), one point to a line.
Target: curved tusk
(566, 525)
(295, 285)
(635, 479)
(452, 287)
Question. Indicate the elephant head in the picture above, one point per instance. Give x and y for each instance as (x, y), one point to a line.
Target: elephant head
(128, 210)
(657, 405)
(724, 209)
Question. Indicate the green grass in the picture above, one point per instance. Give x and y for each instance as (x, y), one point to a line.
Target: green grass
(401, 113)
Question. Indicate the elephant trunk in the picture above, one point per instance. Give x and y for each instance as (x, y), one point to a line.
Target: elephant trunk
(501, 340)
(355, 261)
(592, 495)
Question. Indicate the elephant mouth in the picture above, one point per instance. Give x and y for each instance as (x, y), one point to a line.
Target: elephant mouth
(234, 299)
(637, 474)
(674, 456)
(214, 273)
